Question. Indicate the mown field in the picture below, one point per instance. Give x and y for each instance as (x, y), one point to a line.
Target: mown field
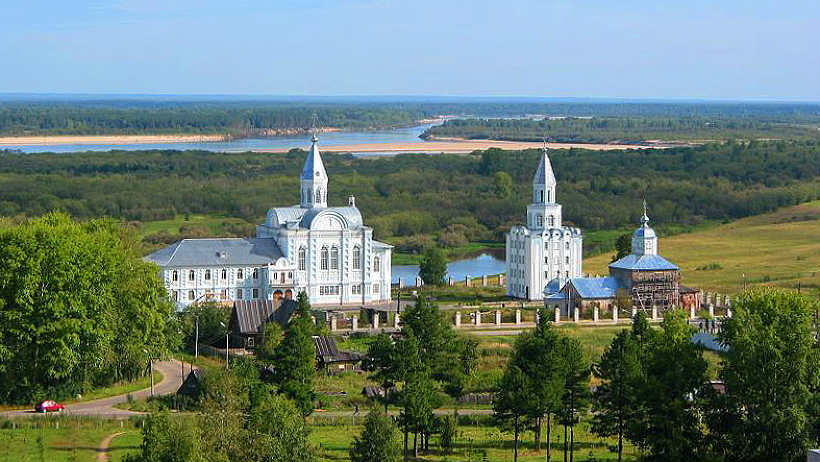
(779, 249)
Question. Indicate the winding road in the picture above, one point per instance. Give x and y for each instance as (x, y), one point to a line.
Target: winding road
(172, 376)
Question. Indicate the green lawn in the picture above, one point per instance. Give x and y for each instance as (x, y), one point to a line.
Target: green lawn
(64, 438)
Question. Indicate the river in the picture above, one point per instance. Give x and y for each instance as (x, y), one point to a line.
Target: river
(477, 266)
(328, 139)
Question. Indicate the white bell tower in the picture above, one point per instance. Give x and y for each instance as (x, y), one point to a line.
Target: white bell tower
(314, 178)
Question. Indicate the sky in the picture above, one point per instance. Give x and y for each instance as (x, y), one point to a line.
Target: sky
(719, 49)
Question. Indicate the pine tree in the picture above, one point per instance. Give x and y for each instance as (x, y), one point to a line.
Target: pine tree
(295, 358)
(379, 441)
(514, 401)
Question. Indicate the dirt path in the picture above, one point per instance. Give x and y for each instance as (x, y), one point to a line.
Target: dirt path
(102, 451)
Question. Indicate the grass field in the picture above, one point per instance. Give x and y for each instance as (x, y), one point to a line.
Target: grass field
(780, 249)
(57, 439)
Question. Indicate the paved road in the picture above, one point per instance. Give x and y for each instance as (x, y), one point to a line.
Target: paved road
(172, 375)
(393, 412)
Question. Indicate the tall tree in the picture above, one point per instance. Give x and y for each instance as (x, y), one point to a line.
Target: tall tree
(503, 185)
(623, 246)
(513, 401)
(295, 363)
(379, 441)
(576, 395)
(770, 374)
(433, 266)
(615, 398)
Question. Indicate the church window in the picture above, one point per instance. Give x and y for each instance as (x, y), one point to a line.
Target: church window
(546, 275)
(318, 195)
(334, 258)
(567, 273)
(207, 275)
(566, 245)
(552, 220)
(175, 295)
(239, 294)
(376, 264)
(567, 260)
(356, 289)
(541, 198)
(548, 195)
(255, 273)
(376, 289)
(357, 258)
(191, 295)
(240, 274)
(255, 293)
(175, 276)
(191, 275)
(539, 220)
(546, 260)
(223, 295)
(224, 274)
(324, 258)
(302, 259)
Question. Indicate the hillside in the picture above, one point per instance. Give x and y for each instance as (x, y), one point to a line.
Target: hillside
(779, 249)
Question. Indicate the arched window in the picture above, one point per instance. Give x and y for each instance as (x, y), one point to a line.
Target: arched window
(224, 274)
(539, 220)
(552, 220)
(541, 196)
(377, 263)
(318, 195)
(239, 294)
(175, 276)
(175, 295)
(566, 245)
(548, 195)
(323, 259)
(334, 258)
(357, 258)
(302, 259)
(191, 275)
(240, 274)
(191, 295)
(255, 273)
(207, 275)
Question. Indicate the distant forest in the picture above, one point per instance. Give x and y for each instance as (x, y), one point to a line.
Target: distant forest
(629, 130)
(416, 200)
(20, 116)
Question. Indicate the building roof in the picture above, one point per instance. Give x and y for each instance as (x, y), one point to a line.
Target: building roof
(314, 169)
(687, 290)
(554, 286)
(644, 263)
(351, 216)
(544, 174)
(252, 315)
(381, 245)
(328, 352)
(596, 287)
(217, 252)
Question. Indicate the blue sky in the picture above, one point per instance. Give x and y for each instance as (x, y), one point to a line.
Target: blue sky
(727, 49)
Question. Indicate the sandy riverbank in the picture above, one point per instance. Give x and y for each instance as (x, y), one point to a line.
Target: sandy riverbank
(106, 139)
(461, 147)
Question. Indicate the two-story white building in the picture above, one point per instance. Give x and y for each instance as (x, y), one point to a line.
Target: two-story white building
(327, 252)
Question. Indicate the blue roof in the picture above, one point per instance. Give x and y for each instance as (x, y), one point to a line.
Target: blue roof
(644, 262)
(217, 252)
(596, 287)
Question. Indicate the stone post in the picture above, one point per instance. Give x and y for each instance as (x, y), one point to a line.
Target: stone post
(419, 281)
(692, 313)
(705, 299)
(729, 311)
(557, 314)
(517, 317)
(537, 317)
(332, 323)
(484, 280)
(654, 312)
(497, 317)
(401, 283)
(576, 314)
(313, 320)
(478, 318)
(355, 323)
(501, 280)
(615, 313)
(634, 312)
(450, 281)
(711, 311)
(396, 321)
(458, 319)
(375, 320)
(467, 281)
(595, 313)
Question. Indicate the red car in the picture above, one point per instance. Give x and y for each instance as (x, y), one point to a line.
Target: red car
(48, 406)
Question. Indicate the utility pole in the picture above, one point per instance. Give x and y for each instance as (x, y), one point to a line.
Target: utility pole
(196, 342)
(227, 333)
(151, 371)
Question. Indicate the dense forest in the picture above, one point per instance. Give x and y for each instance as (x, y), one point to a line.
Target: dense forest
(413, 200)
(241, 117)
(624, 130)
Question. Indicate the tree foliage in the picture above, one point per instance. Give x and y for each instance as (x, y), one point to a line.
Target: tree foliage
(379, 441)
(295, 358)
(433, 266)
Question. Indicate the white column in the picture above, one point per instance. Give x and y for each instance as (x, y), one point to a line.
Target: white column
(711, 311)
(576, 314)
(595, 313)
(375, 320)
(692, 313)
(484, 280)
(332, 323)
(654, 312)
(458, 318)
(355, 322)
(557, 314)
(396, 320)
(517, 317)
(467, 281)
(729, 312)
(615, 313)
(497, 317)
(478, 318)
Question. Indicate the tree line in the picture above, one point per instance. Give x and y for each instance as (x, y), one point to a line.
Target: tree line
(624, 130)
(412, 201)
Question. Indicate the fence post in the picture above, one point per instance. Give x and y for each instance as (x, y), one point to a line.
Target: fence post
(517, 317)
(396, 320)
(458, 319)
(478, 318)
(576, 314)
(615, 313)
(354, 323)
(497, 317)
(375, 320)
(332, 323)
(654, 312)
(595, 314)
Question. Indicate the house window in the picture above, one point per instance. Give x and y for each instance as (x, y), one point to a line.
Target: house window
(567, 260)
(376, 289)
(539, 220)
(357, 258)
(302, 259)
(224, 274)
(250, 342)
(290, 274)
(175, 276)
(323, 258)
(566, 245)
(552, 220)
(377, 263)
(191, 295)
(328, 290)
(318, 195)
(207, 275)
(255, 293)
(356, 289)
(334, 258)
(546, 260)
(191, 275)
(223, 294)
(239, 294)
(240, 274)
(256, 273)
(175, 295)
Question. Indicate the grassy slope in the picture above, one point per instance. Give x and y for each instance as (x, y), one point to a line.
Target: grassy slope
(74, 440)
(779, 249)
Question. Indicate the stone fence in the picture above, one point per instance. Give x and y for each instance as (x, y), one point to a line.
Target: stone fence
(498, 280)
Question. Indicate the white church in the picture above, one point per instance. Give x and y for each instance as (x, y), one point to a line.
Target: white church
(542, 250)
(324, 251)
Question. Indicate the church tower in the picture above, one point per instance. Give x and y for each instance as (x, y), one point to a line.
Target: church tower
(544, 213)
(644, 239)
(314, 178)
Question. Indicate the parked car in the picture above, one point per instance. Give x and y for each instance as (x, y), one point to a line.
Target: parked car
(49, 406)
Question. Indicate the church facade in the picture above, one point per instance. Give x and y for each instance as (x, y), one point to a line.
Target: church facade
(543, 250)
(327, 252)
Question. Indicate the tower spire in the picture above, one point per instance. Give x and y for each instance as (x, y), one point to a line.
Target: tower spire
(543, 183)
(314, 177)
